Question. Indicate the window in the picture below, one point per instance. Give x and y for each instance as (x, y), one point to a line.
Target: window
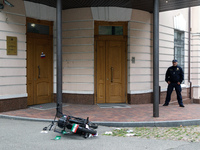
(110, 30)
(179, 52)
(37, 28)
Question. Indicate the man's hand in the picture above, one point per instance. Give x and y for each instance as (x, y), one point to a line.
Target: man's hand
(168, 82)
(178, 83)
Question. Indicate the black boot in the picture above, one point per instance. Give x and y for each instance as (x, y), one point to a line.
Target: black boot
(165, 104)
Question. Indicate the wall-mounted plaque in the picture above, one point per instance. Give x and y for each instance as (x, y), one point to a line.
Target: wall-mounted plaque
(11, 45)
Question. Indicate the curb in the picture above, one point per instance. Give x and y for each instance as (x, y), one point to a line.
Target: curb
(151, 123)
(121, 124)
(25, 118)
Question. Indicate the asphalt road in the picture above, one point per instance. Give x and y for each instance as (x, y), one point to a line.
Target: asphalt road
(26, 135)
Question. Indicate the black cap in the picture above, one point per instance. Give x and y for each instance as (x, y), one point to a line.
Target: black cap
(174, 60)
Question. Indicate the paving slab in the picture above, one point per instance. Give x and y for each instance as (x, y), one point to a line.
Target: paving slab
(131, 116)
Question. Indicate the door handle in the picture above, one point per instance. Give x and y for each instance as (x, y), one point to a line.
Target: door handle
(111, 74)
(38, 71)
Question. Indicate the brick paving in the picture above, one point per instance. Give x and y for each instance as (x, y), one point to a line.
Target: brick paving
(137, 113)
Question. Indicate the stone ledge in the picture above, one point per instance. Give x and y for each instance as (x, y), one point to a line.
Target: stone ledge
(87, 99)
(13, 104)
(196, 101)
(185, 101)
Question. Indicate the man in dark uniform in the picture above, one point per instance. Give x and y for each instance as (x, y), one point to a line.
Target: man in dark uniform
(174, 76)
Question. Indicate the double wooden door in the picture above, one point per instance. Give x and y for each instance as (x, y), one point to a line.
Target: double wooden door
(111, 75)
(39, 69)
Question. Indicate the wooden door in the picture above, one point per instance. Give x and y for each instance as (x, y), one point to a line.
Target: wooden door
(40, 86)
(101, 72)
(111, 75)
(39, 61)
(115, 72)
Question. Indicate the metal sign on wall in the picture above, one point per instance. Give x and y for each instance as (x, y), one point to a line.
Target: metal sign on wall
(11, 45)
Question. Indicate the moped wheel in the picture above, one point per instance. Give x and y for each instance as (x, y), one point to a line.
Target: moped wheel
(93, 125)
(85, 130)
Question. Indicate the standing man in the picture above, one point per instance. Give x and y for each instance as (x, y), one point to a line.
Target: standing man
(174, 76)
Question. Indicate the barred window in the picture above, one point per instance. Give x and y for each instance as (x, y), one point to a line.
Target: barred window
(179, 52)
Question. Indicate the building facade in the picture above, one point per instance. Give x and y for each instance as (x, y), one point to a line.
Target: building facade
(107, 54)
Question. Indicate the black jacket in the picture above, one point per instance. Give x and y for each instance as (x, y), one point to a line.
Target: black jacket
(174, 74)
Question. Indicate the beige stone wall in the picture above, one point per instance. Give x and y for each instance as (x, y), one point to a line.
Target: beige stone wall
(166, 48)
(78, 51)
(195, 51)
(140, 73)
(195, 46)
(13, 67)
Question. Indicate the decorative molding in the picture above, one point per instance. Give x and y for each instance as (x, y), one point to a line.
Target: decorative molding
(40, 11)
(78, 92)
(13, 32)
(111, 13)
(90, 20)
(140, 92)
(13, 96)
(179, 22)
(6, 12)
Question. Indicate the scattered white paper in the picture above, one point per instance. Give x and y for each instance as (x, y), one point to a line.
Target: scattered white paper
(130, 134)
(44, 131)
(108, 132)
(117, 128)
(129, 131)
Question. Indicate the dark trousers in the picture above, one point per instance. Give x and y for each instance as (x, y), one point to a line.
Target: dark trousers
(178, 89)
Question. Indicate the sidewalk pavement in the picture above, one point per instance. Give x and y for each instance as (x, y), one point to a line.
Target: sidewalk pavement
(135, 116)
